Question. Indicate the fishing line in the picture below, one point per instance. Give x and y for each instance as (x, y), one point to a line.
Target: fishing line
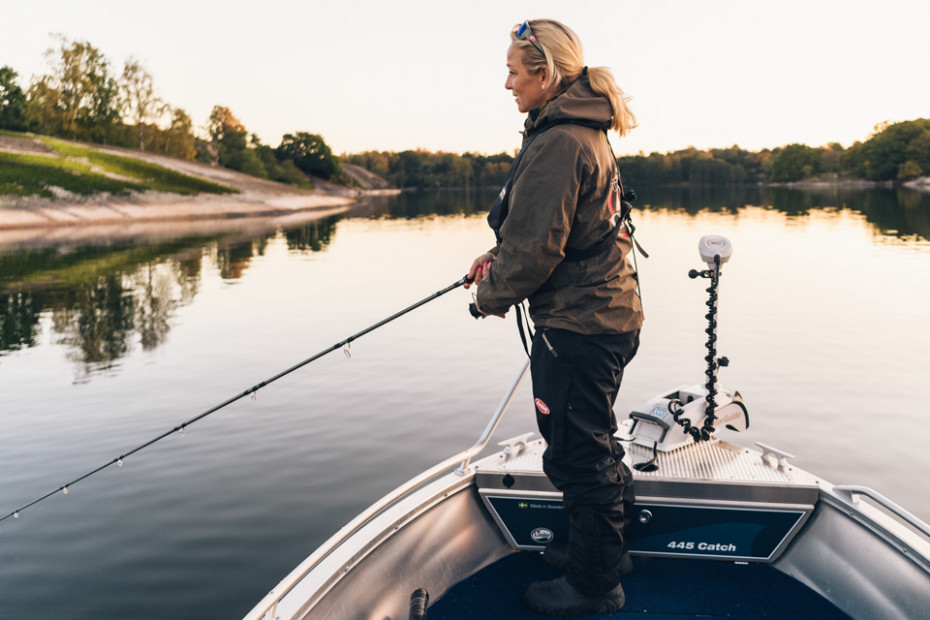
(344, 345)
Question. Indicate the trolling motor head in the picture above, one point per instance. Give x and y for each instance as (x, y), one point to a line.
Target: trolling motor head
(715, 251)
(691, 413)
(714, 245)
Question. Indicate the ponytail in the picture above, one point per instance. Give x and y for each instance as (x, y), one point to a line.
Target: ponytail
(564, 59)
(603, 83)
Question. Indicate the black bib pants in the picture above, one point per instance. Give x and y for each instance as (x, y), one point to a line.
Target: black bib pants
(576, 379)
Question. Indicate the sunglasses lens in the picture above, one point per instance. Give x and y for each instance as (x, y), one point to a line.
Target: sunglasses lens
(526, 33)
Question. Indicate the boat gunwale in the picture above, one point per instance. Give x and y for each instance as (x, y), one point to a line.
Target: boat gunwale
(395, 500)
(902, 530)
(464, 476)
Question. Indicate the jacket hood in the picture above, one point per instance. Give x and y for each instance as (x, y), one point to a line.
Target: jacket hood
(577, 102)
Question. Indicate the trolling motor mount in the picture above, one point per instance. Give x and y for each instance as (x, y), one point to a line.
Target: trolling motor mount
(691, 413)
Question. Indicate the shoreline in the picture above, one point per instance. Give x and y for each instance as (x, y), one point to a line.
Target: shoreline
(105, 209)
(156, 229)
(920, 184)
(256, 198)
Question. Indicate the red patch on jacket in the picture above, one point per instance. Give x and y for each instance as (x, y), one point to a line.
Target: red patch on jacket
(543, 408)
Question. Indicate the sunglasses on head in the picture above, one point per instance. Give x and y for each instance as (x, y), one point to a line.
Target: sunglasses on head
(526, 33)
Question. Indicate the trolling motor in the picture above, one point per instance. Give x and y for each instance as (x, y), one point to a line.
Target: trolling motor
(691, 414)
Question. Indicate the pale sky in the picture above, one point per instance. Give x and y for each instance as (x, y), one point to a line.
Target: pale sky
(417, 74)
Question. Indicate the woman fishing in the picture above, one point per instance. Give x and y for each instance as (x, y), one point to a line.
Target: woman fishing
(562, 245)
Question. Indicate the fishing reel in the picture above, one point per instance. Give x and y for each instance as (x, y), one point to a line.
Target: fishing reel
(692, 414)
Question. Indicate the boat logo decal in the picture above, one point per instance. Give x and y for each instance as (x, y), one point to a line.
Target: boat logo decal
(543, 407)
(542, 535)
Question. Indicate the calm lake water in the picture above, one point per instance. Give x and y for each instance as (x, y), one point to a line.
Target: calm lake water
(107, 344)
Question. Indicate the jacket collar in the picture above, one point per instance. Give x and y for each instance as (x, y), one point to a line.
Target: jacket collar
(577, 102)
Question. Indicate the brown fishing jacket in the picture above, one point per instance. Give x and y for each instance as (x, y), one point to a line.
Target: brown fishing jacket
(561, 201)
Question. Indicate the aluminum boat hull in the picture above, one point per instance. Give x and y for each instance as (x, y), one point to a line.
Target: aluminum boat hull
(708, 501)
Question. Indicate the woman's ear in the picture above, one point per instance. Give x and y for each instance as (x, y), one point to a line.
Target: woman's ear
(544, 76)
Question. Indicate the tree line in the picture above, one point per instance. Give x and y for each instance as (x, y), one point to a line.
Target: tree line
(422, 169)
(82, 97)
(894, 152)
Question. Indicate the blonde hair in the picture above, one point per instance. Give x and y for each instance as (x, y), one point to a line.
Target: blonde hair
(564, 59)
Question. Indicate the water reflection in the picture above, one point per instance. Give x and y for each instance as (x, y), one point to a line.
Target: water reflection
(233, 259)
(96, 319)
(313, 238)
(19, 315)
(410, 205)
(102, 299)
(902, 213)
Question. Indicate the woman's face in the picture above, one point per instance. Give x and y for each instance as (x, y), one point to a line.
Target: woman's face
(526, 87)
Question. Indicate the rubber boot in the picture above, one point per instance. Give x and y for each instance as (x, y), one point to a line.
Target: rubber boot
(557, 552)
(559, 598)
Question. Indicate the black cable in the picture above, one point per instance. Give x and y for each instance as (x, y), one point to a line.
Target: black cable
(252, 390)
(711, 358)
(706, 430)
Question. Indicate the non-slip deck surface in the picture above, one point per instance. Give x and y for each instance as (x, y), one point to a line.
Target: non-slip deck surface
(658, 589)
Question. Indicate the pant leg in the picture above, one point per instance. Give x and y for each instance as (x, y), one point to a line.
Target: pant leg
(576, 379)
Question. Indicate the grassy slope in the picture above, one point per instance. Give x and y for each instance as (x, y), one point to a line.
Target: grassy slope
(84, 170)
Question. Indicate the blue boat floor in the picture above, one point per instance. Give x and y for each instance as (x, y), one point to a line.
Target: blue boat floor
(657, 589)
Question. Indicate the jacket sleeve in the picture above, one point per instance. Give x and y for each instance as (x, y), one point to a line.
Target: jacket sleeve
(543, 200)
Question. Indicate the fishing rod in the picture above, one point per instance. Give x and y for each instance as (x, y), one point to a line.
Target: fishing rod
(249, 392)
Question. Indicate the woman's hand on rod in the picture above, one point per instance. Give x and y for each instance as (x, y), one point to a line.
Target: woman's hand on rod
(479, 269)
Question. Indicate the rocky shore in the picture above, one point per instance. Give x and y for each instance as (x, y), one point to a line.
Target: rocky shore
(255, 198)
(920, 183)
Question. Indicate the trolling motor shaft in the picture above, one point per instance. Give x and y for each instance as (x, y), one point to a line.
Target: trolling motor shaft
(690, 413)
(715, 250)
